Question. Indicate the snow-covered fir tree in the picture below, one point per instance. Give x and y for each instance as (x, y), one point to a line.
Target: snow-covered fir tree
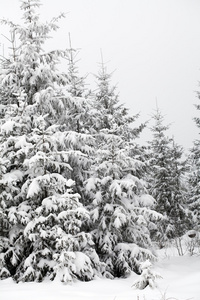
(112, 113)
(80, 113)
(194, 183)
(40, 212)
(194, 175)
(166, 183)
(181, 215)
(120, 208)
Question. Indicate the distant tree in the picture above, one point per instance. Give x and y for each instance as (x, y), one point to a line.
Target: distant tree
(194, 183)
(166, 183)
(194, 175)
(113, 115)
(181, 215)
(120, 207)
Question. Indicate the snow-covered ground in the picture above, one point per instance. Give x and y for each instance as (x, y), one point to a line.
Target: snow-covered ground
(181, 281)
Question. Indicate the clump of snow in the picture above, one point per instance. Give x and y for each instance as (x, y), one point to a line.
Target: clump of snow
(34, 188)
(70, 183)
(12, 177)
(147, 200)
(21, 142)
(8, 126)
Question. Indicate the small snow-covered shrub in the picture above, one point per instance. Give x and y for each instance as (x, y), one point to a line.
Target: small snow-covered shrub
(129, 257)
(192, 242)
(189, 243)
(73, 265)
(147, 278)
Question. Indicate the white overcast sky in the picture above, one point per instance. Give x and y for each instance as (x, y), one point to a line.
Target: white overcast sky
(153, 46)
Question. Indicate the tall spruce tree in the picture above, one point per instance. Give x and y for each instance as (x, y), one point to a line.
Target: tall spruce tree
(166, 182)
(194, 183)
(120, 207)
(194, 175)
(81, 118)
(41, 214)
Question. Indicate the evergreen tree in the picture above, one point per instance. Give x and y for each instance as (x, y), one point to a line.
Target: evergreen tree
(166, 182)
(120, 207)
(194, 183)
(194, 175)
(181, 215)
(42, 214)
(80, 113)
(113, 115)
